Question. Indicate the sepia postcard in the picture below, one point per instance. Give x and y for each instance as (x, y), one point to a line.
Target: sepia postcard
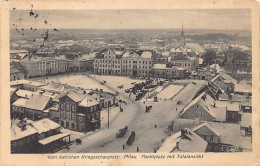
(130, 82)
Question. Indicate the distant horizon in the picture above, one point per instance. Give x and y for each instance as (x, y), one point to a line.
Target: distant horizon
(210, 19)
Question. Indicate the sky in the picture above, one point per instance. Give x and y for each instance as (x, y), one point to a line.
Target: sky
(224, 19)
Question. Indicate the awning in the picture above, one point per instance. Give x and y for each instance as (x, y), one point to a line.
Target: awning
(50, 139)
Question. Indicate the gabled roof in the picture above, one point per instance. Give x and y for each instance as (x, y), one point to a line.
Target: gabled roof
(37, 102)
(191, 142)
(45, 125)
(205, 124)
(225, 78)
(203, 104)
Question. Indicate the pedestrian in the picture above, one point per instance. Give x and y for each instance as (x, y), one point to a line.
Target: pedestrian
(137, 149)
(123, 146)
(176, 109)
(154, 150)
(155, 126)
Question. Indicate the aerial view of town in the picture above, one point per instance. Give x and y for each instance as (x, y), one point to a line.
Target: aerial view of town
(130, 81)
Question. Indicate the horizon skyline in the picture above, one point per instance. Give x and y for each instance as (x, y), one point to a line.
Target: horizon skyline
(210, 19)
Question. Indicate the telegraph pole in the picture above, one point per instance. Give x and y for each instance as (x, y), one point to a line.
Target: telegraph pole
(108, 117)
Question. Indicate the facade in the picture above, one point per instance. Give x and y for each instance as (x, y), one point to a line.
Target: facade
(164, 71)
(41, 66)
(23, 137)
(79, 112)
(209, 134)
(108, 62)
(199, 108)
(232, 113)
(34, 108)
(137, 64)
(17, 72)
(112, 62)
(188, 63)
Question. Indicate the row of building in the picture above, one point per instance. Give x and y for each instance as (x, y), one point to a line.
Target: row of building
(36, 65)
(217, 119)
(73, 108)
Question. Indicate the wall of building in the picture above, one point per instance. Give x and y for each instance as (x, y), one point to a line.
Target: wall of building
(197, 111)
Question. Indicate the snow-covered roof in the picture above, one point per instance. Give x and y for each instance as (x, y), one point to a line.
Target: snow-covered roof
(243, 88)
(225, 77)
(50, 139)
(205, 124)
(88, 101)
(203, 104)
(45, 125)
(146, 54)
(24, 93)
(191, 142)
(37, 102)
(26, 82)
(246, 120)
(20, 102)
(235, 106)
(19, 132)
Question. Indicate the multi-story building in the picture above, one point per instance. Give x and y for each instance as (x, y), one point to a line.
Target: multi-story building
(188, 63)
(108, 61)
(164, 71)
(39, 66)
(134, 64)
(128, 63)
(79, 112)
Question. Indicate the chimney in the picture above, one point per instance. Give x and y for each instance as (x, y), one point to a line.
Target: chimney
(183, 132)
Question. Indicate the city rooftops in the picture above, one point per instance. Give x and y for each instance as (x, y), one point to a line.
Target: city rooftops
(37, 102)
(45, 125)
(183, 141)
(235, 106)
(20, 102)
(20, 129)
(26, 82)
(24, 93)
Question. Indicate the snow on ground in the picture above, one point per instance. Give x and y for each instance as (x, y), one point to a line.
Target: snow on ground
(169, 91)
(148, 137)
(114, 81)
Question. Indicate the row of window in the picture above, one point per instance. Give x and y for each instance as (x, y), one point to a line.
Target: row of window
(124, 61)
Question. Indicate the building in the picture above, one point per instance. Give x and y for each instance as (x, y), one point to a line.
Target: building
(42, 66)
(42, 136)
(23, 137)
(17, 72)
(188, 63)
(183, 141)
(81, 63)
(238, 60)
(233, 110)
(130, 63)
(79, 112)
(166, 71)
(137, 63)
(34, 108)
(108, 61)
(199, 108)
(26, 85)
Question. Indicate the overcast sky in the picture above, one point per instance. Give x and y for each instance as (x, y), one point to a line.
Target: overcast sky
(134, 19)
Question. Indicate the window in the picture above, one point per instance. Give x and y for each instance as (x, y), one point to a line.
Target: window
(72, 126)
(73, 108)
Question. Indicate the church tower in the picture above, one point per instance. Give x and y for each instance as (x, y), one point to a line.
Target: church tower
(182, 38)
